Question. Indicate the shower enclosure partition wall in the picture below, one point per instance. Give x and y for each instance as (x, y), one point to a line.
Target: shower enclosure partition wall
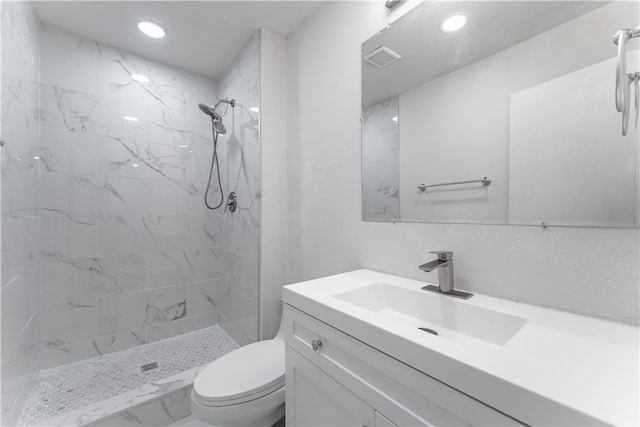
(20, 260)
(102, 200)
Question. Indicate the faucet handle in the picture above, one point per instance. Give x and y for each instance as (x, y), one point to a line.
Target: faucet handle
(443, 255)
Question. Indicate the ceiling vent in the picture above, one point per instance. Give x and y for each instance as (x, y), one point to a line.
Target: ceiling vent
(381, 57)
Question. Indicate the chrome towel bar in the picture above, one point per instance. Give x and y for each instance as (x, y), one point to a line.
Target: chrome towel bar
(485, 181)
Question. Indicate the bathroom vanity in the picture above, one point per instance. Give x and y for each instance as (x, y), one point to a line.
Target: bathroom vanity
(366, 348)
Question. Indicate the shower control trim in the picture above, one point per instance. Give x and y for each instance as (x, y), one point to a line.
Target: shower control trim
(232, 203)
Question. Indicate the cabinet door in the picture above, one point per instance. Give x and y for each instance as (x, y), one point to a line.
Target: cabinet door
(315, 399)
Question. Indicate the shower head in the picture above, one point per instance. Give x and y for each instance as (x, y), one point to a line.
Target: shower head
(216, 119)
(211, 112)
(218, 126)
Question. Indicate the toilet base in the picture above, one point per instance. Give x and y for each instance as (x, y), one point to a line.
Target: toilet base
(192, 421)
(262, 412)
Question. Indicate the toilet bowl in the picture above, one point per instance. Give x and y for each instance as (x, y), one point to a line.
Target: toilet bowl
(244, 387)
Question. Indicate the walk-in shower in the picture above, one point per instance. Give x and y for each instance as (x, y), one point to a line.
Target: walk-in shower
(217, 129)
(118, 284)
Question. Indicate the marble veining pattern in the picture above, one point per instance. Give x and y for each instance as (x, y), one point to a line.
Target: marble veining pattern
(380, 178)
(130, 248)
(86, 391)
(20, 248)
(111, 250)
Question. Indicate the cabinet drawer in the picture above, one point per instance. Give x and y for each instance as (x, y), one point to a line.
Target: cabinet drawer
(404, 395)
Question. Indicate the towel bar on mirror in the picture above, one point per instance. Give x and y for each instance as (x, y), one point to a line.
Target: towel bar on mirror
(485, 181)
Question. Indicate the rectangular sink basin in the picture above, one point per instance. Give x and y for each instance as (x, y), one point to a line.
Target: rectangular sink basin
(450, 318)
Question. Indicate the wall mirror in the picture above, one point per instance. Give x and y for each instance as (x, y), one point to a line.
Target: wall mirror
(510, 120)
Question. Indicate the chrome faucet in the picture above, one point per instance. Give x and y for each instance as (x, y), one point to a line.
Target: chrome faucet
(444, 264)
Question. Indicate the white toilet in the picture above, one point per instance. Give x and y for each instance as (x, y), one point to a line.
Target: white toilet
(244, 387)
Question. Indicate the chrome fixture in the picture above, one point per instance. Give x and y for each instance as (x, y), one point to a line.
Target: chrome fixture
(232, 203)
(390, 4)
(444, 264)
(316, 345)
(624, 80)
(217, 129)
(485, 181)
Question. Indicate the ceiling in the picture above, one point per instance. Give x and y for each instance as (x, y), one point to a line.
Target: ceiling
(427, 53)
(202, 36)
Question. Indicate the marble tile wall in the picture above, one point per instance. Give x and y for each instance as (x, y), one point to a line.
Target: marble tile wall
(380, 186)
(240, 149)
(130, 254)
(20, 254)
(160, 412)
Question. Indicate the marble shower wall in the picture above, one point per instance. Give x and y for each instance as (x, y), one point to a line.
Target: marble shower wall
(20, 222)
(130, 253)
(240, 154)
(380, 186)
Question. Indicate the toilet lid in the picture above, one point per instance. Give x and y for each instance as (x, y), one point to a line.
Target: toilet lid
(242, 373)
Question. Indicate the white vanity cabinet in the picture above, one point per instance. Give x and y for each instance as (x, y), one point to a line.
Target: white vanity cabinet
(333, 379)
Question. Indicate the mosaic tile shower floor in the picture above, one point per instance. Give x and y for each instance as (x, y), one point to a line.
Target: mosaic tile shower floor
(76, 385)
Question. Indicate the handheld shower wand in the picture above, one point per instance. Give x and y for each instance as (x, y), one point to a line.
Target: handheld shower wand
(217, 128)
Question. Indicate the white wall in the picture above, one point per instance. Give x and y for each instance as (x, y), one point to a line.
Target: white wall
(273, 132)
(585, 270)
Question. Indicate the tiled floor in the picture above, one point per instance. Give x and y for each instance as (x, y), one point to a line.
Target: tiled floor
(79, 384)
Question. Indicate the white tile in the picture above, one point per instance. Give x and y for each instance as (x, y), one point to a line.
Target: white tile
(160, 412)
(183, 326)
(67, 60)
(58, 356)
(82, 281)
(121, 197)
(71, 237)
(169, 268)
(70, 153)
(124, 235)
(198, 89)
(15, 311)
(71, 195)
(204, 297)
(165, 198)
(206, 232)
(64, 324)
(23, 243)
(135, 310)
(66, 109)
(164, 90)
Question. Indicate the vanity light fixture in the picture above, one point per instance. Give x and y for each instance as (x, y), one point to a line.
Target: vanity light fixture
(140, 78)
(453, 23)
(131, 118)
(152, 29)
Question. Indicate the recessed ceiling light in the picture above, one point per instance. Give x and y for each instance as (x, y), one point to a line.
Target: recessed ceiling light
(130, 118)
(135, 165)
(453, 23)
(254, 109)
(152, 29)
(140, 78)
(395, 118)
(36, 158)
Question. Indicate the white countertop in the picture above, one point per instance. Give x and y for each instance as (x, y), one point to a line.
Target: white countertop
(560, 369)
